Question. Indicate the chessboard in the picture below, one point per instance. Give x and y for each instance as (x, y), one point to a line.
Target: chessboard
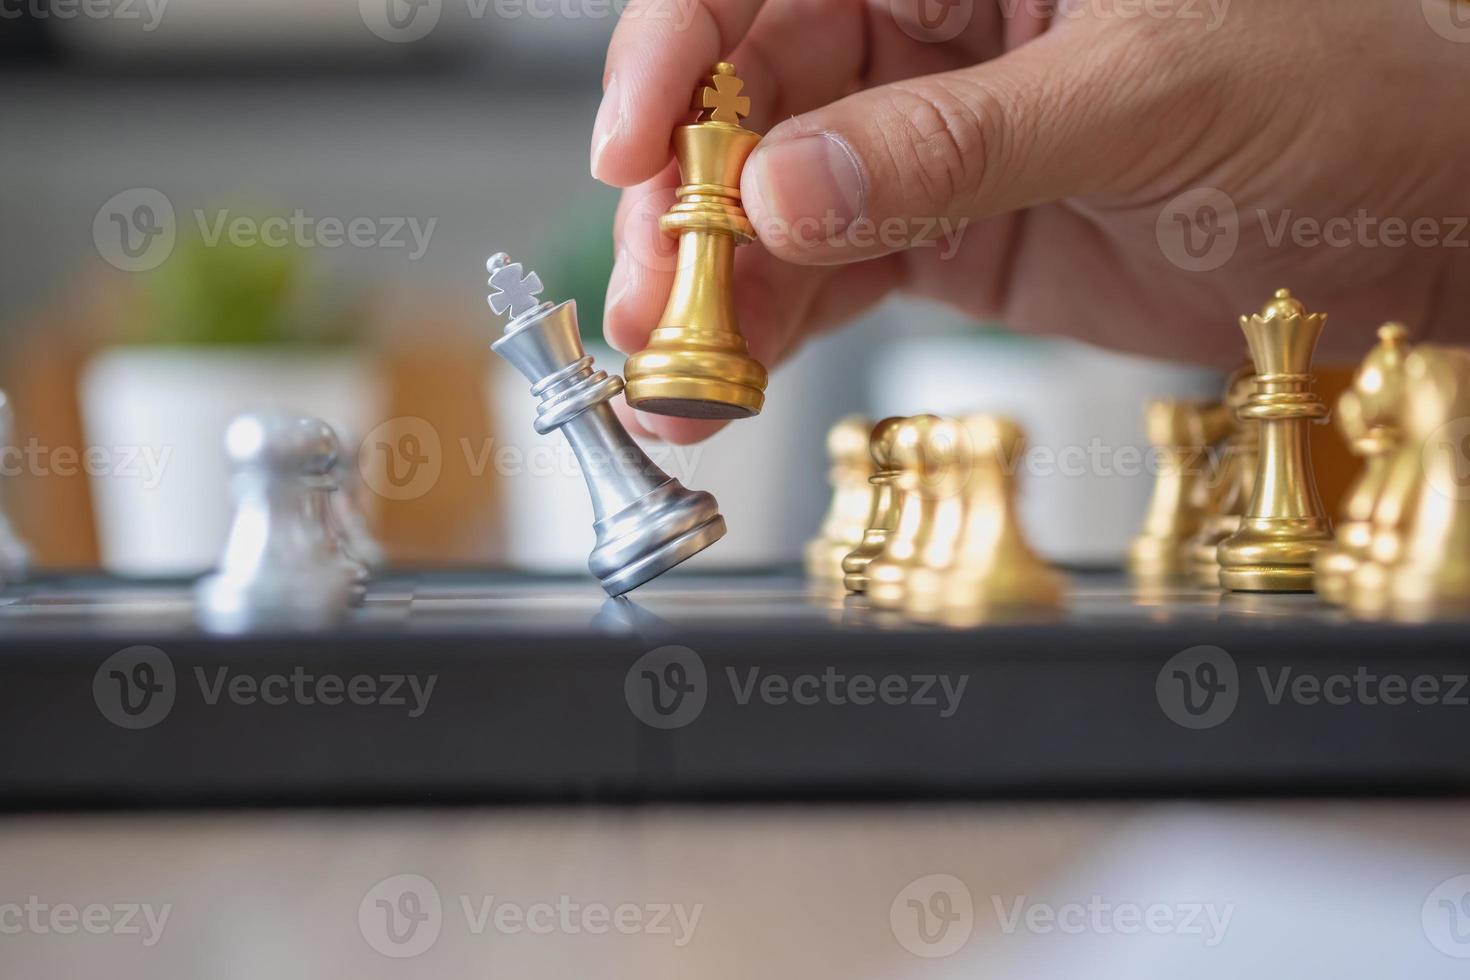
(501, 687)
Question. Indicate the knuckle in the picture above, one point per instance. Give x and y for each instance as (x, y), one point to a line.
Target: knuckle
(950, 129)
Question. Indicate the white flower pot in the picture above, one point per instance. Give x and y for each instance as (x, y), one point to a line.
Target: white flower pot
(154, 420)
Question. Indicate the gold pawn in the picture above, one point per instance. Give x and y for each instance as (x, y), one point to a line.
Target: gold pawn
(994, 571)
(883, 508)
(1367, 417)
(1182, 433)
(1432, 579)
(847, 517)
(696, 364)
(1232, 483)
(931, 455)
(1285, 525)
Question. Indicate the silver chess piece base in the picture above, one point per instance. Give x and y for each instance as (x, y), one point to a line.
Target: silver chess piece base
(646, 522)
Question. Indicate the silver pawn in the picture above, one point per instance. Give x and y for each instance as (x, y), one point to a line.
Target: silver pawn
(646, 521)
(280, 568)
(15, 557)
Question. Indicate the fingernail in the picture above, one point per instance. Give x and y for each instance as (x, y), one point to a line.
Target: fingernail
(809, 188)
(609, 122)
(617, 285)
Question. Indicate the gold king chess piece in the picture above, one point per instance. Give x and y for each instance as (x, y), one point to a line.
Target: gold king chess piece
(847, 518)
(932, 455)
(883, 508)
(994, 571)
(1367, 418)
(1285, 524)
(1232, 481)
(1182, 433)
(1432, 578)
(696, 364)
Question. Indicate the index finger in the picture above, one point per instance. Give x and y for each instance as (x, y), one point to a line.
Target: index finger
(658, 52)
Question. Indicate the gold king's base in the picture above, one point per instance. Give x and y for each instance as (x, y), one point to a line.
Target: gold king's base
(670, 377)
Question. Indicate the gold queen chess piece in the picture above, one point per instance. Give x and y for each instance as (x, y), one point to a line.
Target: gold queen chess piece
(1285, 525)
(847, 518)
(696, 364)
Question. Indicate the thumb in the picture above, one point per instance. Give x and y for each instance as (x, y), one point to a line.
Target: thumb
(907, 163)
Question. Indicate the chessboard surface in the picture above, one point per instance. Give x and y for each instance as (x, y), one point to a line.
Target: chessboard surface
(504, 687)
(498, 603)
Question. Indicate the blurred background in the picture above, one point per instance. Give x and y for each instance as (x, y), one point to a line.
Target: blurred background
(212, 206)
(220, 205)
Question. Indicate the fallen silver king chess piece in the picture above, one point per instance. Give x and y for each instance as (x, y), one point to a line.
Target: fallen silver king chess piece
(646, 521)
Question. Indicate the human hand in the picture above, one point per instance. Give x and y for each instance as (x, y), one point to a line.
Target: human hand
(1081, 171)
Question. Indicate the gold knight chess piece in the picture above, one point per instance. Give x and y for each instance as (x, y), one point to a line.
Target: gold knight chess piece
(883, 507)
(696, 363)
(1182, 433)
(1285, 524)
(1432, 577)
(1232, 481)
(994, 570)
(1367, 418)
(931, 455)
(847, 517)
(1368, 585)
